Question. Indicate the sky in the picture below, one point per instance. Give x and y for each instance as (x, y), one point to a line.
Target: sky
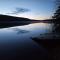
(33, 9)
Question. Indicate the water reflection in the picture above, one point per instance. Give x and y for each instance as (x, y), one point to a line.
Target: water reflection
(20, 31)
(17, 40)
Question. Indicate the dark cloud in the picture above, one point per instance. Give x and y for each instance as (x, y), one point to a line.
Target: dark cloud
(19, 10)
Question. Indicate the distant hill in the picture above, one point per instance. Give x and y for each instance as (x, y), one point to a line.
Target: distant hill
(9, 21)
(12, 18)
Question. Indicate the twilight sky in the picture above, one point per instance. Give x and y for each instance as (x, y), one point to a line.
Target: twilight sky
(33, 9)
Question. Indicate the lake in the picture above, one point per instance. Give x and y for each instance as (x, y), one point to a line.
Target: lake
(16, 42)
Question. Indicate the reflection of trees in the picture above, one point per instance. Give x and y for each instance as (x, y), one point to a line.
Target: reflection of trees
(20, 31)
(52, 45)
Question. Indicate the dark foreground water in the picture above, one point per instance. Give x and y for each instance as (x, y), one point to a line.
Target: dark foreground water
(16, 42)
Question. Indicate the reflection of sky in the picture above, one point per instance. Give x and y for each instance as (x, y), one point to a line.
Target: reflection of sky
(18, 39)
(39, 8)
(24, 32)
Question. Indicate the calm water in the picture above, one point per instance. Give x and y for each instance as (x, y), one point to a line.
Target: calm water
(17, 42)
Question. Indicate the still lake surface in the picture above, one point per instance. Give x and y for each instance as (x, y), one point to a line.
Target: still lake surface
(16, 41)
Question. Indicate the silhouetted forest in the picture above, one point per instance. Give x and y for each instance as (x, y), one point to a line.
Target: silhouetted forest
(56, 16)
(12, 18)
(9, 21)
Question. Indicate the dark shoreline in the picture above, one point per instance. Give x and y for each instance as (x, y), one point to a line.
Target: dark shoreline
(10, 21)
(52, 45)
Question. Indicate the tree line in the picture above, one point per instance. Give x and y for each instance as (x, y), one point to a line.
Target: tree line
(56, 16)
